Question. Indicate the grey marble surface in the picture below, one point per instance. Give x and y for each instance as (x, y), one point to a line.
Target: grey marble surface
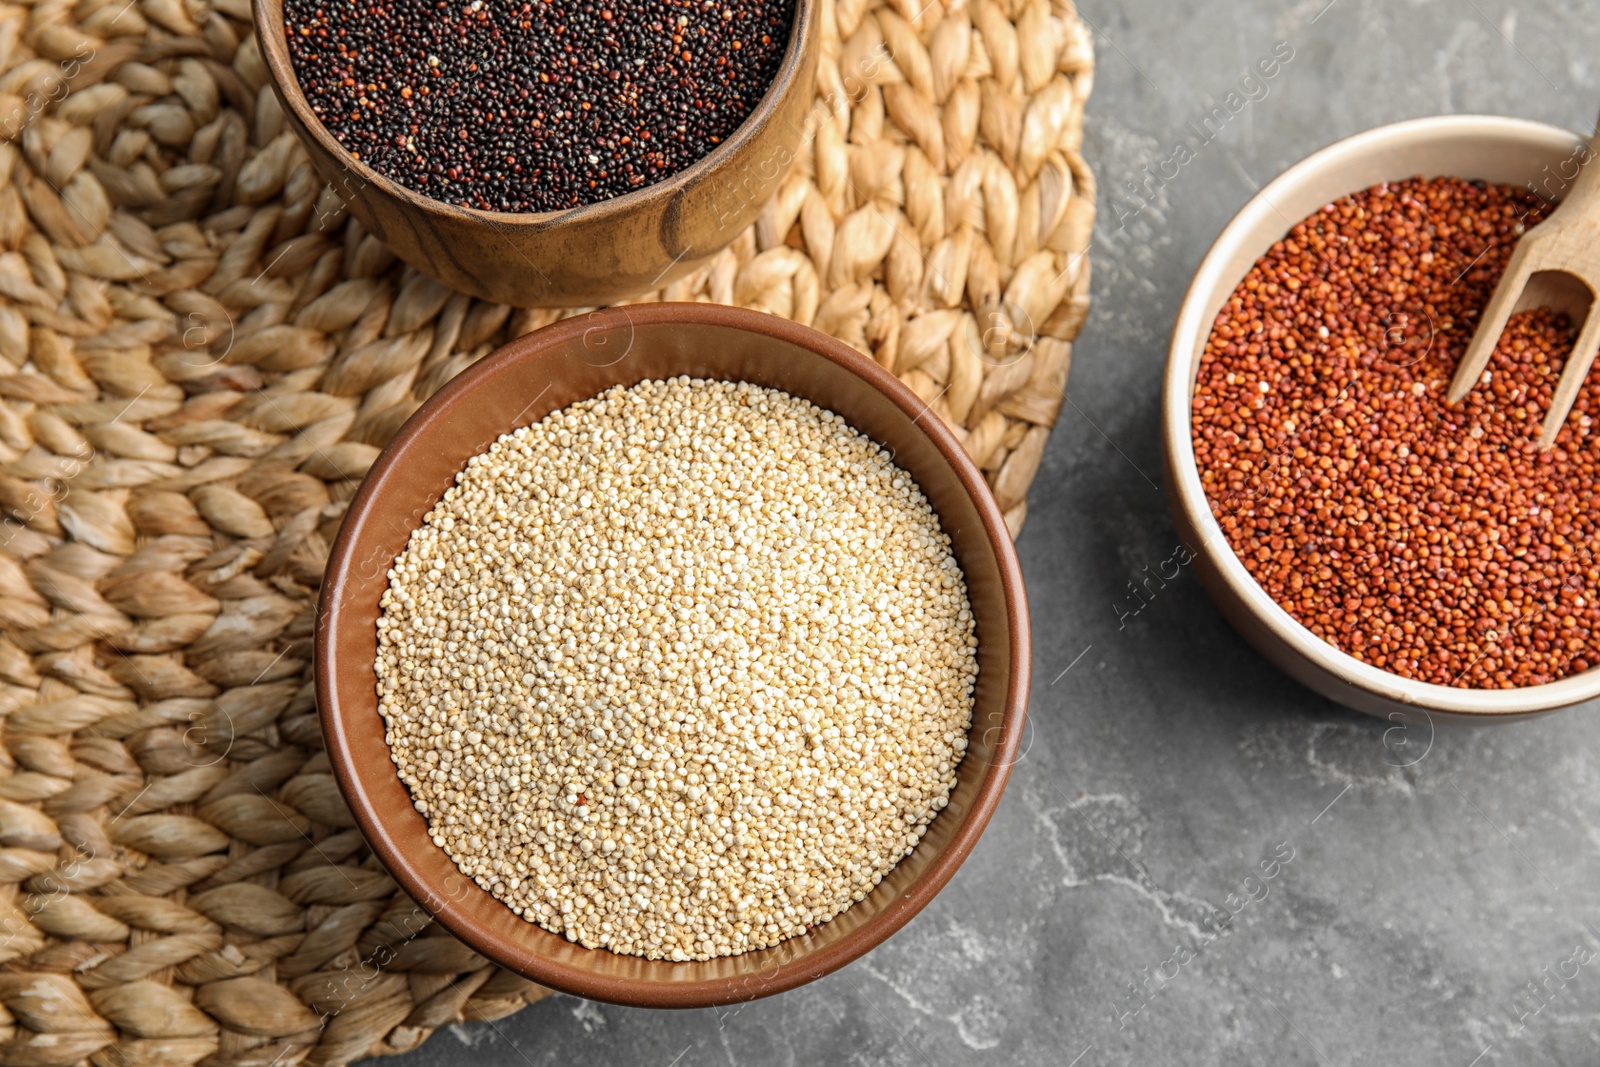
(1170, 761)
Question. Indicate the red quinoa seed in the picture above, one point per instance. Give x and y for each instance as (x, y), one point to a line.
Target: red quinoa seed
(1435, 543)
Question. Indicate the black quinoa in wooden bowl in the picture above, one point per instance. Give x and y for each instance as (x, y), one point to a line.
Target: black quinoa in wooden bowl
(513, 106)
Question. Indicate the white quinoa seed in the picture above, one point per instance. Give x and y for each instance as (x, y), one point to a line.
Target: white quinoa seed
(680, 671)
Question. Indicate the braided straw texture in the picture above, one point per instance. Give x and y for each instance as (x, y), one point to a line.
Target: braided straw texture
(200, 355)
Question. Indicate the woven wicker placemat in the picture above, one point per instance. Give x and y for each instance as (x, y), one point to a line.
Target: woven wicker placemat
(199, 357)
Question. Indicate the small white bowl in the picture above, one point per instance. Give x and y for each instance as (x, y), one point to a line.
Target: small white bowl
(1497, 150)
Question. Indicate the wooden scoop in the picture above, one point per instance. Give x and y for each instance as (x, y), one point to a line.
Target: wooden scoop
(1556, 265)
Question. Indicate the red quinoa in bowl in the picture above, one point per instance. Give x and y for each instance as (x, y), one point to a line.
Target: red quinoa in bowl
(1436, 543)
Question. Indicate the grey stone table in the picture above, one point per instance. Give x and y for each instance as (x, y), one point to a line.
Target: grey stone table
(1428, 880)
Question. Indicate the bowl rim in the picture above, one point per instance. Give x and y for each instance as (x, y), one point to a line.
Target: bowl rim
(1187, 344)
(797, 967)
(269, 18)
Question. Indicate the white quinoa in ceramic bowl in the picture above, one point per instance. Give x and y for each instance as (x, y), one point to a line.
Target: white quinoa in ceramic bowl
(679, 671)
(674, 655)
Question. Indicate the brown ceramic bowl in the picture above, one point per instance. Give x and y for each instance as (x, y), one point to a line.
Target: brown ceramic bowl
(585, 256)
(550, 369)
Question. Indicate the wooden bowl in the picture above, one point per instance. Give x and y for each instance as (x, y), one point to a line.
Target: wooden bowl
(550, 369)
(1493, 149)
(584, 256)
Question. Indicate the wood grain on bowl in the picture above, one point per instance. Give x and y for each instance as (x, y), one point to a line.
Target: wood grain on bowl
(571, 361)
(595, 254)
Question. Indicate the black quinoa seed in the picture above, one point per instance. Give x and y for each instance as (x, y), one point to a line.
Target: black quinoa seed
(539, 106)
